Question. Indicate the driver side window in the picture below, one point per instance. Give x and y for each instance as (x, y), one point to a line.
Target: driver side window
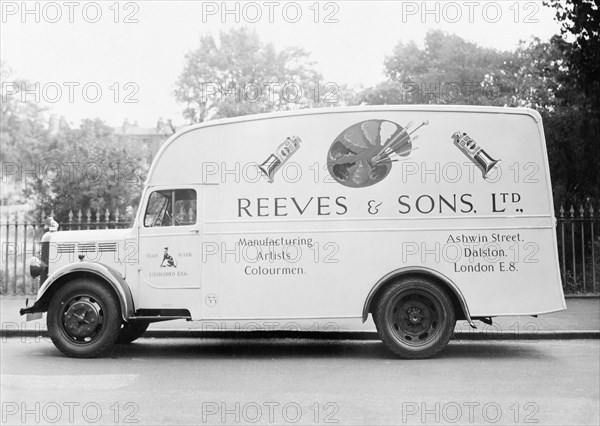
(171, 208)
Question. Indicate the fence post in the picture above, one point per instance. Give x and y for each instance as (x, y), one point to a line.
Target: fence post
(562, 243)
(593, 249)
(70, 220)
(7, 274)
(34, 225)
(572, 212)
(25, 255)
(582, 248)
(16, 251)
(34, 242)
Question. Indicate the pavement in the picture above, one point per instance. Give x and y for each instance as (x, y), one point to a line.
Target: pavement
(581, 320)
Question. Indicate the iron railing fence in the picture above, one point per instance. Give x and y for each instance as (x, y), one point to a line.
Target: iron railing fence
(577, 229)
(20, 235)
(578, 249)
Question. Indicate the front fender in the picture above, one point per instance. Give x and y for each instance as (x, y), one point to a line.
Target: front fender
(104, 272)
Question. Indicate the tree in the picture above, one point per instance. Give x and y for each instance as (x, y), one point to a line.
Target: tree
(580, 111)
(84, 168)
(238, 75)
(450, 70)
(447, 69)
(63, 169)
(581, 19)
(537, 74)
(21, 126)
(21, 123)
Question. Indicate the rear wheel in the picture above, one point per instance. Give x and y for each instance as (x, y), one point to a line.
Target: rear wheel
(132, 331)
(84, 318)
(415, 318)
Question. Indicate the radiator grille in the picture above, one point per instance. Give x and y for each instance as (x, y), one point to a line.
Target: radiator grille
(65, 248)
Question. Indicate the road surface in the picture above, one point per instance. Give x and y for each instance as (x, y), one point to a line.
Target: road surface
(284, 381)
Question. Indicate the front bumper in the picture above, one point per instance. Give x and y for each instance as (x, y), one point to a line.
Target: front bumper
(35, 308)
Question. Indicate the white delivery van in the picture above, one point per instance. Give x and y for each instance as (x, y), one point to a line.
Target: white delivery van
(415, 215)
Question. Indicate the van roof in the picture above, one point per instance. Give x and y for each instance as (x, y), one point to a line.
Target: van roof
(340, 110)
(335, 110)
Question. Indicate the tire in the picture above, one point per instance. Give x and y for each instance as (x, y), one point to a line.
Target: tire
(131, 331)
(415, 318)
(84, 318)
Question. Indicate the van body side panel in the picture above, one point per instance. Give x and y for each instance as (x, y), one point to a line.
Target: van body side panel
(336, 218)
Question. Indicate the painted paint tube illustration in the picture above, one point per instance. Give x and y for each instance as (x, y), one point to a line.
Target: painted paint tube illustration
(278, 158)
(475, 153)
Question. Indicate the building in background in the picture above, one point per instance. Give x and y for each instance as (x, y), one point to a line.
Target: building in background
(145, 141)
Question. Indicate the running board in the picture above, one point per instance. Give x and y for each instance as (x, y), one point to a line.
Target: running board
(156, 315)
(149, 318)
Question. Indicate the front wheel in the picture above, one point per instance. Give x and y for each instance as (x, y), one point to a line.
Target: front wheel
(415, 318)
(84, 318)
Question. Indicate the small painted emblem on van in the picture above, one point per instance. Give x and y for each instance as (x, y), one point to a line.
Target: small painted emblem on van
(278, 158)
(211, 299)
(362, 155)
(168, 261)
(475, 153)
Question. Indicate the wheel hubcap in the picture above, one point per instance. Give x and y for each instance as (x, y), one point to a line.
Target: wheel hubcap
(82, 319)
(415, 315)
(415, 318)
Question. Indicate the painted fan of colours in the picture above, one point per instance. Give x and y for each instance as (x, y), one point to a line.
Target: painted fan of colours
(362, 155)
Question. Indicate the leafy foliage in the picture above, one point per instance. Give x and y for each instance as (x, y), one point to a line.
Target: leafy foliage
(65, 169)
(558, 77)
(536, 75)
(20, 122)
(239, 75)
(84, 168)
(581, 19)
(578, 116)
(447, 70)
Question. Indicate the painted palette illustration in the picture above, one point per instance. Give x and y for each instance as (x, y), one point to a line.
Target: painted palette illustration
(362, 155)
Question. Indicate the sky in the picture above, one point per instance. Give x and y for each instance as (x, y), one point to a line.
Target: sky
(117, 60)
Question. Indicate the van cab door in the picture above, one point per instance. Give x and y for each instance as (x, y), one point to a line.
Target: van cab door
(170, 249)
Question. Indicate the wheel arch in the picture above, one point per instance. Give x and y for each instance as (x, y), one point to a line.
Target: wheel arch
(458, 299)
(82, 269)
